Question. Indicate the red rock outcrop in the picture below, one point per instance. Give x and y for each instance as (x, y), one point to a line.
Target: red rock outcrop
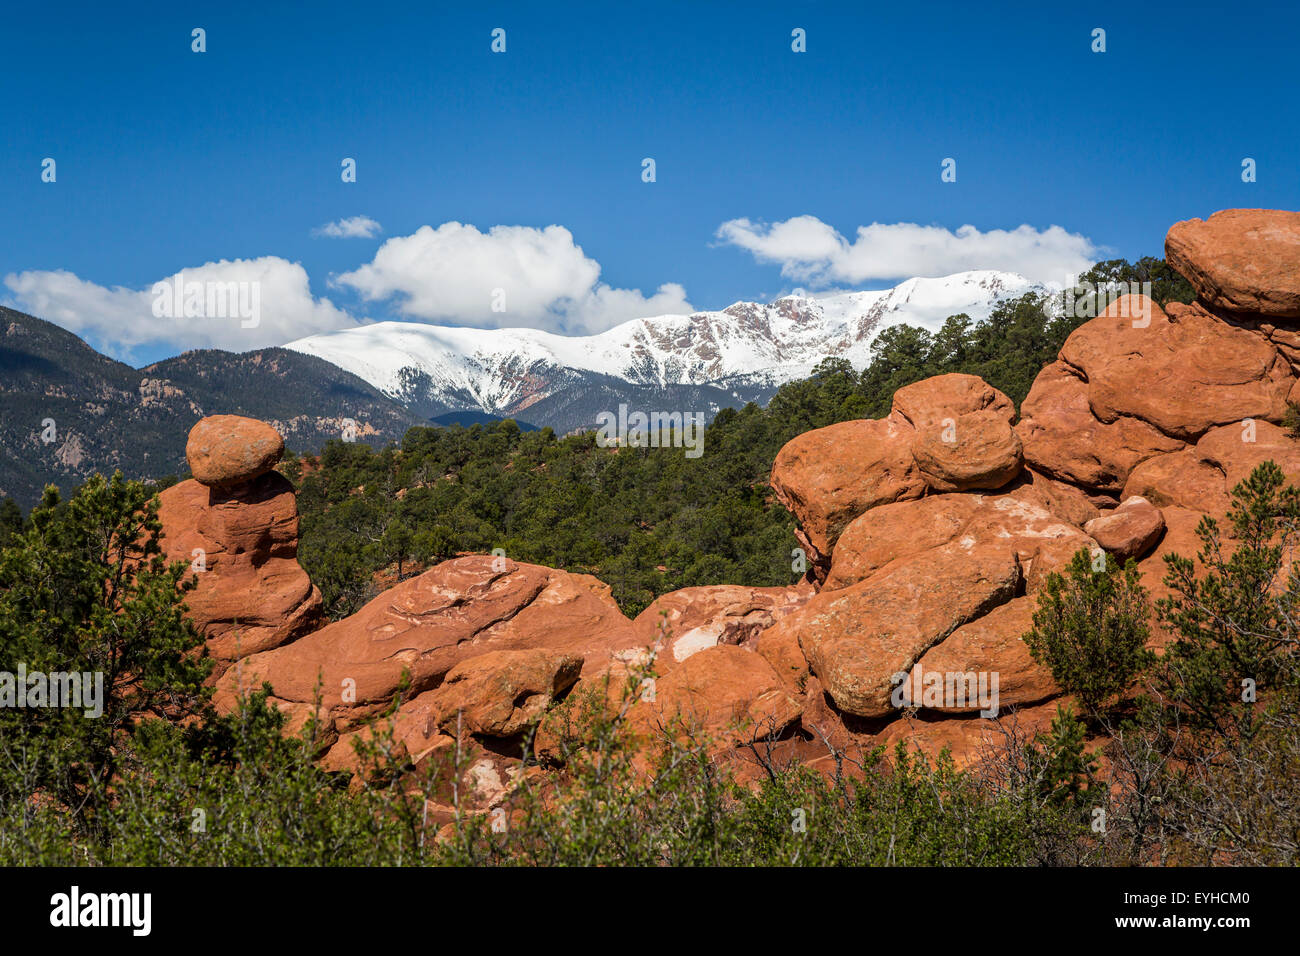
(241, 541)
(1241, 260)
(426, 626)
(1143, 425)
(930, 532)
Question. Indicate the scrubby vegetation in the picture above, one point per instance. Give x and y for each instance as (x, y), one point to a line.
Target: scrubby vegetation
(1090, 628)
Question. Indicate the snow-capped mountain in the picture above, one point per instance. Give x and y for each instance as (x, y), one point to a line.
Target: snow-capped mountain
(700, 361)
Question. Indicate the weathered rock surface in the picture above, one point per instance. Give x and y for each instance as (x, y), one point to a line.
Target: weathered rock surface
(1076, 505)
(227, 450)
(428, 624)
(895, 531)
(856, 638)
(1063, 439)
(725, 694)
(684, 622)
(990, 645)
(1183, 377)
(1020, 520)
(1201, 478)
(975, 450)
(1130, 531)
(1241, 260)
(501, 693)
(831, 475)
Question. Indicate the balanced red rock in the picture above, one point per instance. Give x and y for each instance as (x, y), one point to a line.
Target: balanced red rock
(975, 450)
(831, 475)
(929, 402)
(241, 541)
(228, 450)
(1241, 260)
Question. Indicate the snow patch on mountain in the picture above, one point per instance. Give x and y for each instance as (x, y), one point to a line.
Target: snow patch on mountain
(745, 345)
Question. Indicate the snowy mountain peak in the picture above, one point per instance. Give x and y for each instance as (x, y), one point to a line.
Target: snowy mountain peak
(744, 351)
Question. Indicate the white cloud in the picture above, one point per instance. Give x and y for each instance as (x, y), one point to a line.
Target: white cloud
(354, 227)
(810, 251)
(543, 279)
(117, 320)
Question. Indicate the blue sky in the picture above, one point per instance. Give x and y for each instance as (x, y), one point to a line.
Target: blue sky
(169, 159)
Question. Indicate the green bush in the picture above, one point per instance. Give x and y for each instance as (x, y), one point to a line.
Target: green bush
(1090, 628)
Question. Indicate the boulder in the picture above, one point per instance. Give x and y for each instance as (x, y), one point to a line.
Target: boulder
(857, 637)
(1183, 378)
(1241, 260)
(1182, 479)
(928, 403)
(1201, 478)
(1130, 531)
(989, 648)
(427, 625)
(501, 693)
(228, 450)
(829, 476)
(1018, 520)
(1236, 450)
(1064, 440)
(894, 531)
(974, 450)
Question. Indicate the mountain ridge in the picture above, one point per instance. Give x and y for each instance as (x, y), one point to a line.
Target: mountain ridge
(738, 354)
(67, 411)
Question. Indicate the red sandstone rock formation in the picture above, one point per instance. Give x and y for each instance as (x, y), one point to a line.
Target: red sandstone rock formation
(930, 531)
(240, 537)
